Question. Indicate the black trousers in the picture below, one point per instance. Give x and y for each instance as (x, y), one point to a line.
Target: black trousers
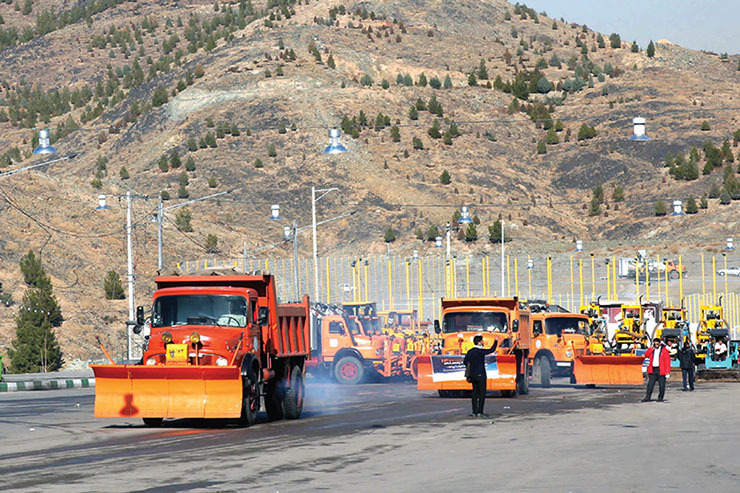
(479, 393)
(652, 378)
(688, 374)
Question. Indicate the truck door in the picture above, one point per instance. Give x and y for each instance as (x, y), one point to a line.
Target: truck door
(336, 337)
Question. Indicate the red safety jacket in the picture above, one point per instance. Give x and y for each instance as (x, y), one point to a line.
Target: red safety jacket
(665, 360)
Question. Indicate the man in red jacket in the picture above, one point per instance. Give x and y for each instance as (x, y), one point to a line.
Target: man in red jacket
(659, 365)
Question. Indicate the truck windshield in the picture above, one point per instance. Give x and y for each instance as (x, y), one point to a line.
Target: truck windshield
(352, 326)
(200, 309)
(475, 322)
(566, 325)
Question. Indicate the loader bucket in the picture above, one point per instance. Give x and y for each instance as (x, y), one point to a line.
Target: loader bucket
(608, 370)
(167, 391)
(447, 372)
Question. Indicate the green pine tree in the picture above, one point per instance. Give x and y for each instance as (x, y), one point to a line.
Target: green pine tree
(651, 49)
(389, 236)
(445, 178)
(112, 286)
(35, 347)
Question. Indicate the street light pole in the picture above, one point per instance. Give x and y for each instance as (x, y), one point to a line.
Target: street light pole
(315, 199)
(296, 286)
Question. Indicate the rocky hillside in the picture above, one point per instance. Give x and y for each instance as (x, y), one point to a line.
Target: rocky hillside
(525, 113)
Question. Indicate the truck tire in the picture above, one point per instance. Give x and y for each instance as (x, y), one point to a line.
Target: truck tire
(152, 422)
(545, 372)
(273, 402)
(293, 401)
(522, 384)
(349, 370)
(250, 400)
(673, 275)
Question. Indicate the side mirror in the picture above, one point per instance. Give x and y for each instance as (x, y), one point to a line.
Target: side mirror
(263, 315)
(515, 326)
(140, 319)
(437, 328)
(537, 330)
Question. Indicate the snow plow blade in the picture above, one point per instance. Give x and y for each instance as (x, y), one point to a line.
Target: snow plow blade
(447, 372)
(608, 370)
(167, 391)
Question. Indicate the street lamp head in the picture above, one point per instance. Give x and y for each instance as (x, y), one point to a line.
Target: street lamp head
(287, 233)
(416, 254)
(275, 213)
(335, 146)
(101, 203)
(465, 216)
(438, 242)
(44, 146)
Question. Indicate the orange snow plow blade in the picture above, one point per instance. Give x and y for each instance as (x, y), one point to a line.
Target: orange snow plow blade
(608, 370)
(167, 391)
(447, 372)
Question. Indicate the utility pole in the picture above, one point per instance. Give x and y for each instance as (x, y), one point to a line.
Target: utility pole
(315, 249)
(503, 284)
(159, 234)
(131, 294)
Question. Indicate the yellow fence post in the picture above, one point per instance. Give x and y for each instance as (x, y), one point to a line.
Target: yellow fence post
(408, 286)
(390, 284)
(367, 282)
(637, 279)
(580, 279)
(714, 278)
(703, 285)
(667, 299)
(647, 280)
(593, 277)
(549, 279)
(657, 269)
(508, 277)
(608, 283)
(420, 268)
(614, 277)
(680, 277)
(516, 276)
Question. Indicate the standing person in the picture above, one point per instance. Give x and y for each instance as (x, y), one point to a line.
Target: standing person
(686, 357)
(659, 365)
(475, 368)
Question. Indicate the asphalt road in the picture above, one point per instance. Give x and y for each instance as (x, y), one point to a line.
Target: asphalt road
(385, 436)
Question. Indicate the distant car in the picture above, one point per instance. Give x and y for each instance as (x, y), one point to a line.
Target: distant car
(730, 271)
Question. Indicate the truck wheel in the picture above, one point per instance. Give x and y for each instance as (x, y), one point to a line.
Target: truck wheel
(545, 372)
(349, 370)
(673, 274)
(273, 402)
(250, 400)
(293, 402)
(522, 384)
(153, 422)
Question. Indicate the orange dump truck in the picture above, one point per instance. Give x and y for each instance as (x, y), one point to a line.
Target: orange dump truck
(215, 345)
(347, 350)
(557, 339)
(499, 319)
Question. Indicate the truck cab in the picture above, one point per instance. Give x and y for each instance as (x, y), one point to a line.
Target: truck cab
(712, 318)
(495, 319)
(630, 337)
(557, 339)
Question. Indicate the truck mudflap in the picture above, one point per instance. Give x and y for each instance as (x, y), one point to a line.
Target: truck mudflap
(167, 391)
(608, 370)
(447, 372)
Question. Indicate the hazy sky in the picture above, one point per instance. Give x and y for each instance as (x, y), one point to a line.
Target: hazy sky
(697, 24)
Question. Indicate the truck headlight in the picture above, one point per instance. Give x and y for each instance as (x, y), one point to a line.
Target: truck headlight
(151, 361)
(166, 337)
(195, 338)
(568, 353)
(221, 361)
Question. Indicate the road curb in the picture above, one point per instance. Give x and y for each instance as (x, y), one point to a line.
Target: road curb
(71, 383)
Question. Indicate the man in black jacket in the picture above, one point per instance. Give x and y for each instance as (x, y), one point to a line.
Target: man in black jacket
(475, 364)
(686, 359)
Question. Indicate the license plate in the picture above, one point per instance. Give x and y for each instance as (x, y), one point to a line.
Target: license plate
(177, 352)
